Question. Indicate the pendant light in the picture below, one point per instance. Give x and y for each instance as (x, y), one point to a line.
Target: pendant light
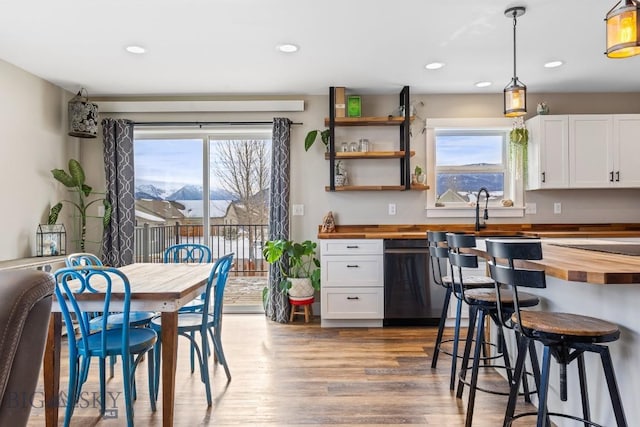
(515, 94)
(83, 116)
(623, 29)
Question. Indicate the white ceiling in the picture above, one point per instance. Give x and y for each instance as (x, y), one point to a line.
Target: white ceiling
(227, 47)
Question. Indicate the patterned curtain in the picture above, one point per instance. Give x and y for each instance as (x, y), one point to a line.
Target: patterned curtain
(277, 307)
(117, 243)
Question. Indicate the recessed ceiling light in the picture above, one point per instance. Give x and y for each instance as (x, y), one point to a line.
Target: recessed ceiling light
(553, 64)
(434, 65)
(136, 49)
(288, 48)
(483, 84)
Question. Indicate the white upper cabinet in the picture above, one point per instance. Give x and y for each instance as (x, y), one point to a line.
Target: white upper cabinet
(548, 152)
(626, 150)
(584, 151)
(591, 150)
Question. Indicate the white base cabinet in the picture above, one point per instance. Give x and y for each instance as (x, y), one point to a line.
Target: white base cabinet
(352, 277)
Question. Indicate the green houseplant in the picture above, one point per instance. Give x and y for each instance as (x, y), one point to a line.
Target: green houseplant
(518, 141)
(313, 135)
(75, 180)
(300, 269)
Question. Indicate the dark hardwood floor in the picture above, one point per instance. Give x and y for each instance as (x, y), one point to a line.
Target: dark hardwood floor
(300, 374)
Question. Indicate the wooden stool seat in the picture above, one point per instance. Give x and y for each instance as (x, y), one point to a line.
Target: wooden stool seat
(569, 325)
(506, 297)
(306, 309)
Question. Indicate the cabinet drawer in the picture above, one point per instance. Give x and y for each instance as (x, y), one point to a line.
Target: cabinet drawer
(364, 270)
(352, 303)
(350, 246)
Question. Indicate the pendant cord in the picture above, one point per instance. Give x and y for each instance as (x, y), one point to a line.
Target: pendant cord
(514, 45)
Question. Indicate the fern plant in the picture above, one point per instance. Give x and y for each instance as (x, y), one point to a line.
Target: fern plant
(75, 180)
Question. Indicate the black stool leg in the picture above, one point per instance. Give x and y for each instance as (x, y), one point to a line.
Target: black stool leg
(544, 388)
(443, 319)
(584, 393)
(473, 312)
(610, 376)
(475, 367)
(515, 381)
(535, 367)
(454, 353)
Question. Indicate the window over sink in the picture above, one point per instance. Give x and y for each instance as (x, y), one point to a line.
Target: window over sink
(465, 155)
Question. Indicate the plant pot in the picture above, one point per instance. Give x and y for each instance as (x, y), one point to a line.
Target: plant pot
(340, 180)
(301, 288)
(421, 178)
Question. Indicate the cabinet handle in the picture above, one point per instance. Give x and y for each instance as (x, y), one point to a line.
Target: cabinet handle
(352, 266)
(618, 176)
(352, 246)
(611, 176)
(353, 297)
(544, 177)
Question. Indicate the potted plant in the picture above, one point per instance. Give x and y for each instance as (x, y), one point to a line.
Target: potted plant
(518, 140)
(313, 135)
(74, 179)
(420, 177)
(300, 267)
(341, 173)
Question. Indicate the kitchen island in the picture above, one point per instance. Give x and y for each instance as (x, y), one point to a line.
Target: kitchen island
(602, 285)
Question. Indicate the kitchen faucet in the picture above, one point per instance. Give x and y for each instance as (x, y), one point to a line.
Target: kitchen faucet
(486, 212)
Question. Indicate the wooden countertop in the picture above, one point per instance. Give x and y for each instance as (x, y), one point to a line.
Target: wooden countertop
(578, 265)
(528, 230)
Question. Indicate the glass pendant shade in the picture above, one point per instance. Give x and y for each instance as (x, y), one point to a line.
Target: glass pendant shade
(515, 93)
(623, 29)
(83, 116)
(515, 99)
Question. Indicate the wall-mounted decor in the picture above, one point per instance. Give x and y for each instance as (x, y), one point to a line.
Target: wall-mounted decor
(83, 116)
(354, 106)
(51, 239)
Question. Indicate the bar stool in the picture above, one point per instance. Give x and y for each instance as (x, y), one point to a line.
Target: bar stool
(439, 259)
(564, 336)
(483, 305)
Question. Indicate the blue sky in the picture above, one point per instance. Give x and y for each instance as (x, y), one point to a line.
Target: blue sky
(456, 150)
(178, 161)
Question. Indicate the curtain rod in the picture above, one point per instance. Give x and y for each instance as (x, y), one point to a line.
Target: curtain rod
(200, 124)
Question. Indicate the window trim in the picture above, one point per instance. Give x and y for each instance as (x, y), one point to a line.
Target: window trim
(515, 185)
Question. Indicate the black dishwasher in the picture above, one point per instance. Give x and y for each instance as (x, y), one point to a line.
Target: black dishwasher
(410, 295)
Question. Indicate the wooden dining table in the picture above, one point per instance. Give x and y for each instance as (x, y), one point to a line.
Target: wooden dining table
(154, 287)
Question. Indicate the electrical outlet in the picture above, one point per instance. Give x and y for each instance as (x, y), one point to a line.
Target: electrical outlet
(100, 210)
(531, 208)
(392, 208)
(298, 210)
(557, 208)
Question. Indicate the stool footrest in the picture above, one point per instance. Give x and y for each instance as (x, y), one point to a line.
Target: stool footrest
(557, 414)
(500, 393)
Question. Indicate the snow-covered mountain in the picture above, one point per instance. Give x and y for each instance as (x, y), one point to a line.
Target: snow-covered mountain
(185, 192)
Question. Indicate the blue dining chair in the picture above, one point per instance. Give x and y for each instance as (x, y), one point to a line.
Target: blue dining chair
(189, 253)
(206, 323)
(114, 320)
(77, 286)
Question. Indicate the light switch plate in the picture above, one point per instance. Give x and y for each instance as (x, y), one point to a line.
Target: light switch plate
(298, 210)
(557, 208)
(392, 208)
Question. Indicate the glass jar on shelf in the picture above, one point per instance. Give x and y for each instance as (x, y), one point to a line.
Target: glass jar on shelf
(353, 147)
(344, 147)
(364, 145)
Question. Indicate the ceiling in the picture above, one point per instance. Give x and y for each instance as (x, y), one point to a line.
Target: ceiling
(228, 47)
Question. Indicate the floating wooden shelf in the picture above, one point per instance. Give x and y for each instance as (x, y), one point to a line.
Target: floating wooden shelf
(368, 121)
(415, 187)
(369, 154)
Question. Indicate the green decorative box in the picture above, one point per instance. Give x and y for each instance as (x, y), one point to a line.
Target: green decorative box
(354, 106)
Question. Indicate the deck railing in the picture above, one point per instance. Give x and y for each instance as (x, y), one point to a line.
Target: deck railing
(245, 240)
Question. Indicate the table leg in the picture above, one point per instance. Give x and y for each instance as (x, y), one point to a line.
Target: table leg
(51, 370)
(169, 359)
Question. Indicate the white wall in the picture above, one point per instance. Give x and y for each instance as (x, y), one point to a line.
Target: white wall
(32, 142)
(309, 170)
